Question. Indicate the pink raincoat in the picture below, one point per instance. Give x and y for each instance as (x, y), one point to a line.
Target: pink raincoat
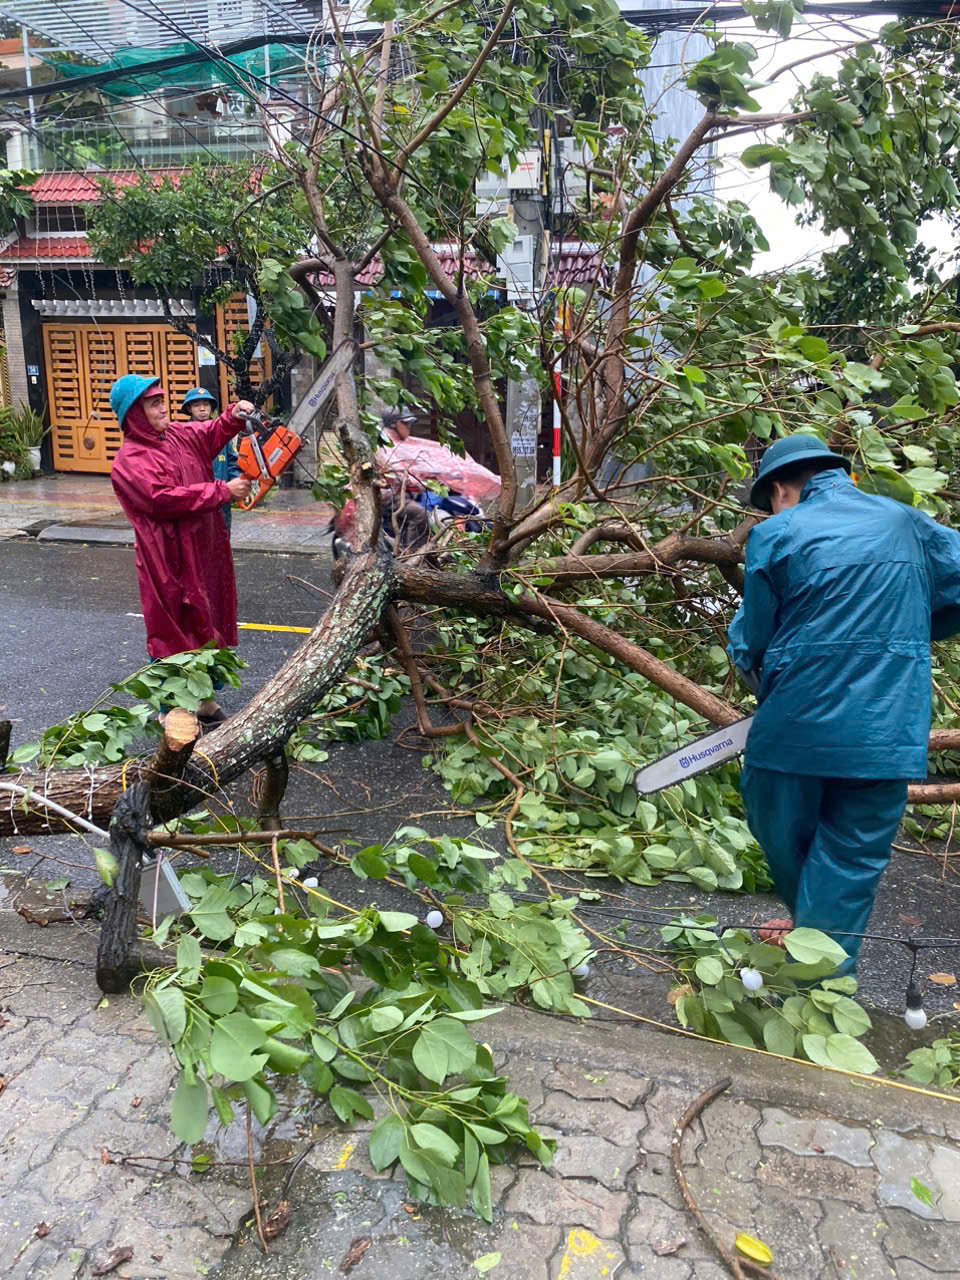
(409, 464)
(184, 564)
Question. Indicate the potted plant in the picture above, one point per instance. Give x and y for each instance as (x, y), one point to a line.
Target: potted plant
(25, 427)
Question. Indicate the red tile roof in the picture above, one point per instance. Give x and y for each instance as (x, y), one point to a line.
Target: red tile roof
(82, 188)
(570, 264)
(47, 247)
(7, 277)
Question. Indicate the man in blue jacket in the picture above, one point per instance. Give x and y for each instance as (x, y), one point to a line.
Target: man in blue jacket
(843, 593)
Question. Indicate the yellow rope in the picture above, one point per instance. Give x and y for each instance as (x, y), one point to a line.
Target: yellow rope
(123, 774)
(803, 1062)
(213, 768)
(267, 626)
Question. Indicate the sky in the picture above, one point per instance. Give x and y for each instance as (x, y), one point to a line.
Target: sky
(791, 244)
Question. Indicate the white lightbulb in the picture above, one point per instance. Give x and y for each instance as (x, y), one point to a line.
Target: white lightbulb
(581, 970)
(311, 882)
(916, 1019)
(752, 979)
(435, 919)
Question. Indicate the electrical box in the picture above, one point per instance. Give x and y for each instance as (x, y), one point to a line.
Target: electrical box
(569, 175)
(492, 192)
(516, 265)
(527, 174)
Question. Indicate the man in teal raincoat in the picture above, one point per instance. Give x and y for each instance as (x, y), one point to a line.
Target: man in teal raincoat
(843, 593)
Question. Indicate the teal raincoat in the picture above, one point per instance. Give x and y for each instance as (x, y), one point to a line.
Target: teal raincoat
(843, 595)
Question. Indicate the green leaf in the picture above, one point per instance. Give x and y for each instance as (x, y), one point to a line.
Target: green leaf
(922, 1192)
(294, 961)
(210, 915)
(444, 1047)
(188, 1109)
(429, 1137)
(166, 1009)
(709, 970)
(218, 995)
(396, 921)
(849, 1017)
(189, 957)
(386, 1139)
(779, 1036)
(262, 1100)
(926, 479)
(317, 1076)
(843, 1051)
(385, 1018)
(763, 153)
(233, 1047)
(107, 865)
(482, 1203)
(808, 946)
(347, 1103)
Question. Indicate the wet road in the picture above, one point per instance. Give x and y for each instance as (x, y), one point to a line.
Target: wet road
(66, 632)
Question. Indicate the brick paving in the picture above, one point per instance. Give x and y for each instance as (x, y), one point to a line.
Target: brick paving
(81, 508)
(825, 1170)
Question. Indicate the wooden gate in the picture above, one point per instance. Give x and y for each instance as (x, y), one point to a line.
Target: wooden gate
(233, 319)
(82, 363)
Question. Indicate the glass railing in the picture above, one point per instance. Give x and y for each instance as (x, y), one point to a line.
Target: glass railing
(165, 144)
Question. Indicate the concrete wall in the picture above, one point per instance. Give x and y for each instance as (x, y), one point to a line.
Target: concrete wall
(13, 335)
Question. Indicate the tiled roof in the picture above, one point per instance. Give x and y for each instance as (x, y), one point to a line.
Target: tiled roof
(7, 277)
(46, 248)
(82, 188)
(569, 265)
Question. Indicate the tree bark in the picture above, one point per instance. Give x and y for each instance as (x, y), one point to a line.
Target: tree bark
(117, 955)
(268, 791)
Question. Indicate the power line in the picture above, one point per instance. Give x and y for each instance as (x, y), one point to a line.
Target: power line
(680, 16)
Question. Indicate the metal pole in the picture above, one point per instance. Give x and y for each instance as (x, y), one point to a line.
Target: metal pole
(28, 78)
(523, 394)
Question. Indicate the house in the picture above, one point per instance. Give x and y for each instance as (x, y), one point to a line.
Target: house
(71, 324)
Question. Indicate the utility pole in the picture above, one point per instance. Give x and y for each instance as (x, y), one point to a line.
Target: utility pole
(523, 264)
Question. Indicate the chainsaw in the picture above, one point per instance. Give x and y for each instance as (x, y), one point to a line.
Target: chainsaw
(696, 757)
(268, 447)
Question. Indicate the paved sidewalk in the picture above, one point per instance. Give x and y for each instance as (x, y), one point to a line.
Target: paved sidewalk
(841, 1178)
(80, 508)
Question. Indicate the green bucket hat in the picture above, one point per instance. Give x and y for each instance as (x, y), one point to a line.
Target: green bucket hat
(788, 452)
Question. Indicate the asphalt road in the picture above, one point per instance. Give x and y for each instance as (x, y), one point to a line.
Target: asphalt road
(66, 631)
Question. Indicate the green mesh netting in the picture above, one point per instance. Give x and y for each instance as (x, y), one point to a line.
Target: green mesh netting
(273, 60)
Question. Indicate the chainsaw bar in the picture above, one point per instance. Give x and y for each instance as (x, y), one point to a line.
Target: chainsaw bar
(696, 757)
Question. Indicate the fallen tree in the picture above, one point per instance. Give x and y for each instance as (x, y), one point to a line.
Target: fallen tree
(678, 360)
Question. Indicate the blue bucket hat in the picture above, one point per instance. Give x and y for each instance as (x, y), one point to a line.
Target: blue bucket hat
(198, 393)
(789, 452)
(126, 391)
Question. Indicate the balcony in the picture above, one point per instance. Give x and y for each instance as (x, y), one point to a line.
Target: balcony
(167, 143)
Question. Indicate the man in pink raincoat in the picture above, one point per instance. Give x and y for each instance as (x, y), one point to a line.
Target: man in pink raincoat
(161, 477)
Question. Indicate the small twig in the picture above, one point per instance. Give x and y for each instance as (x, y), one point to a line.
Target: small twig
(731, 1261)
(228, 837)
(253, 1181)
(276, 872)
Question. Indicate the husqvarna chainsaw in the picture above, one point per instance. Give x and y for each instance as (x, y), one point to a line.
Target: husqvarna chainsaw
(696, 757)
(269, 447)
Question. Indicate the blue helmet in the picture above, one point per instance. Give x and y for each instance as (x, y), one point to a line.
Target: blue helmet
(198, 393)
(788, 452)
(126, 391)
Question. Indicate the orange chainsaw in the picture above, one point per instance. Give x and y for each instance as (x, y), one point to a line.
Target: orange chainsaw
(268, 447)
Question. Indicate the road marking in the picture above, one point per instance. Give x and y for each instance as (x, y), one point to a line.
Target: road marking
(254, 626)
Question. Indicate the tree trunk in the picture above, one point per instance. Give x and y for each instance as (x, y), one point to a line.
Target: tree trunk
(117, 956)
(256, 733)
